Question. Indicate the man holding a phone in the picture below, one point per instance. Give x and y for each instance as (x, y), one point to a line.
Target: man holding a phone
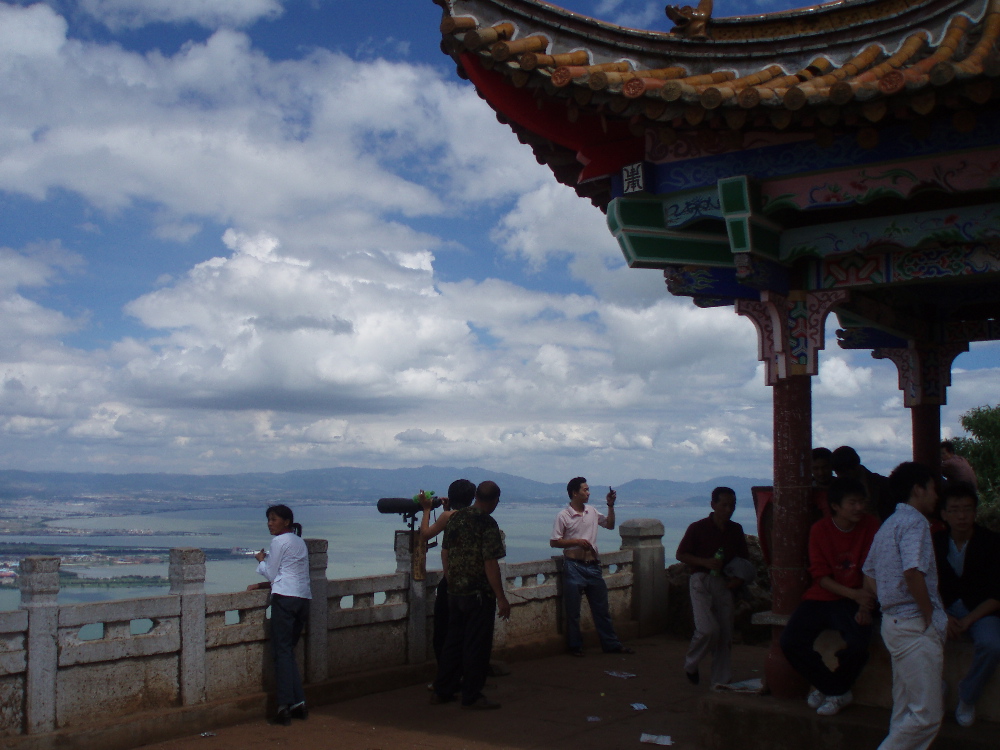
(575, 532)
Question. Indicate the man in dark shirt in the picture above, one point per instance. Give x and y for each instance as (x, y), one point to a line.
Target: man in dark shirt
(846, 462)
(956, 468)
(461, 493)
(471, 550)
(968, 562)
(707, 547)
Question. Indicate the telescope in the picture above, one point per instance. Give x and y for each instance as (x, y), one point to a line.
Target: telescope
(408, 507)
(404, 506)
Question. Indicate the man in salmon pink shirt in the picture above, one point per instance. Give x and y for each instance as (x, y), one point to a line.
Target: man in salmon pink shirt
(836, 600)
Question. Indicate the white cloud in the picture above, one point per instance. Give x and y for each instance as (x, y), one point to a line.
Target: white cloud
(218, 131)
(132, 14)
(323, 331)
(837, 379)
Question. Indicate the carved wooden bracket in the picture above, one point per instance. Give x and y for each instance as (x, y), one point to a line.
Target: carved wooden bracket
(924, 371)
(790, 329)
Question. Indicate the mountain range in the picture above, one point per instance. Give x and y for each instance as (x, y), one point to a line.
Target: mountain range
(343, 484)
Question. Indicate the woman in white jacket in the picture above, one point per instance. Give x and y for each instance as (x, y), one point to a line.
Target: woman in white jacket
(286, 568)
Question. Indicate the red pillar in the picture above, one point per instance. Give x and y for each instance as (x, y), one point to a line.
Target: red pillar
(926, 421)
(924, 376)
(792, 397)
(790, 337)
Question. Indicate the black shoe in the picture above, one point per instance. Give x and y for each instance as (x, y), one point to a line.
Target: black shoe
(693, 677)
(283, 717)
(576, 652)
(482, 703)
(299, 711)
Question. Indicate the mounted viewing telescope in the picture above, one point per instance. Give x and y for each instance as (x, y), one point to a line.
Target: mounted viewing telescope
(404, 506)
(408, 507)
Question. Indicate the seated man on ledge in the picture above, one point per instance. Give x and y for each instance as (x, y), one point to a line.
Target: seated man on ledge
(968, 563)
(836, 600)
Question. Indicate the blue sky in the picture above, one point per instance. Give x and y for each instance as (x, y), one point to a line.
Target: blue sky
(241, 235)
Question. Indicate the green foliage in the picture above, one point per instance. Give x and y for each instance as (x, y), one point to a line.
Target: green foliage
(983, 450)
(989, 515)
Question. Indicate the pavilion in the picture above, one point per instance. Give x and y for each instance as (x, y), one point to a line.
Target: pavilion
(842, 158)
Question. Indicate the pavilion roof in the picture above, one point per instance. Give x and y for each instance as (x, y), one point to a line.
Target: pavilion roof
(838, 66)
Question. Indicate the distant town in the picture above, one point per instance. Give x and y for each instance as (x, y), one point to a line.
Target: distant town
(37, 504)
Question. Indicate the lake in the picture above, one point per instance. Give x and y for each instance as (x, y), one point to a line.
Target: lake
(360, 540)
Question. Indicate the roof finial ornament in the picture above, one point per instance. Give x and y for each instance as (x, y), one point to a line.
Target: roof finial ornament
(691, 22)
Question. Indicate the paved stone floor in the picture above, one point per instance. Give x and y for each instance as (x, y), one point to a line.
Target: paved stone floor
(546, 703)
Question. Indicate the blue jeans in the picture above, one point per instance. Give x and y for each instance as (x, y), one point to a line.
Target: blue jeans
(985, 634)
(288, 618)
(580, 577)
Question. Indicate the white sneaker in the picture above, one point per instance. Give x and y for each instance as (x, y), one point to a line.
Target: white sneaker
(834, 703)
(965, 714)
(815, 699)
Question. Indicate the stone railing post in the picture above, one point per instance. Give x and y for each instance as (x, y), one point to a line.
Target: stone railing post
(401, 546)
(649, 580)
(187, 580)
(317, 637)
(416, 612)
(39, 584)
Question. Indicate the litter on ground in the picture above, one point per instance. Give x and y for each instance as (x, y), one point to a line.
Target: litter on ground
(656, 739)
(755, 685)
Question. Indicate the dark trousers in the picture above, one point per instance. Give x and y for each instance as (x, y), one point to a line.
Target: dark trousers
(288, 618)
(440, 618)
(806, 623)
(465, 659)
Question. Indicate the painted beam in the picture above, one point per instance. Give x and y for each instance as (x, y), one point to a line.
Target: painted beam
(970, 224)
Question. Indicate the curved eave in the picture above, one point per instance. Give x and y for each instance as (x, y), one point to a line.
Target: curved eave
(801, 59)
(572, 77)
(830, 26)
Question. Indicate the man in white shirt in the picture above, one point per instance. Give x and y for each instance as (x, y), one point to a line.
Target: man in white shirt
(903, 570)
(575, 532)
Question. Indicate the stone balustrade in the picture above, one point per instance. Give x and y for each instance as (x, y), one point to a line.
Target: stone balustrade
(116, 674)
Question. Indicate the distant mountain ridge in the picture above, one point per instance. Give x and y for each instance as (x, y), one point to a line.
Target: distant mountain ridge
(343, 484)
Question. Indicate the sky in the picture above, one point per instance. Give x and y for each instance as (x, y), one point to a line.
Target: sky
(265, 235)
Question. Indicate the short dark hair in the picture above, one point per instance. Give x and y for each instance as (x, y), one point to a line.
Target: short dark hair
(461, 493)
(821, 453)
(905, 477)
(845, 457)
(841, 487)
(573, 486)
(285, 513)
(720, 491)
(958, 489)
(948, 446)
(488, 491)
